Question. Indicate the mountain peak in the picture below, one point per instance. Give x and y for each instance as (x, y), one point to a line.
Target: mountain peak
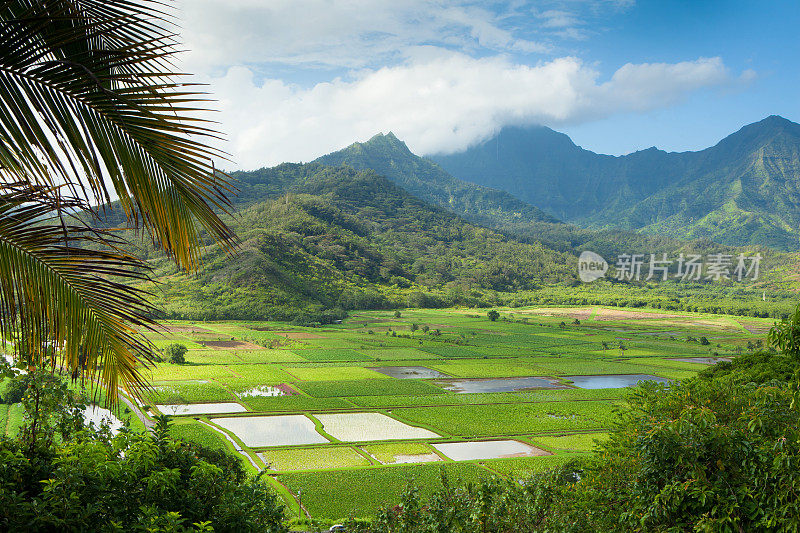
(758, 134)
(388, 140)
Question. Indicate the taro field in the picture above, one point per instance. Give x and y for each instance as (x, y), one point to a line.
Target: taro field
(341, 417)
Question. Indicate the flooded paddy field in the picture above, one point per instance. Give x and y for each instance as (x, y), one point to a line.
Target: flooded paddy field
(611, 381)
(280, 430)
(473, 386)
(488, 449)
(337, 410)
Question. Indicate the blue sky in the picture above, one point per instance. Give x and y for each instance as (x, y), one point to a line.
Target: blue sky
(761, 36)
(299, 78)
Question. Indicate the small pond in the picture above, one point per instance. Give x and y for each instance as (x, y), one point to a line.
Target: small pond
(351, 427)
(282, 430)
(619, 381)
(702, 360)
(408, 372)
(100, 416)
(267, 391)
(201, 408)
(466, 386)
(488, 449)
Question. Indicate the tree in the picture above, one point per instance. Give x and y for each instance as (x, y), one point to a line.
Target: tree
(704, 341)
(785, 336)
(176, 353)
(397, 314)
(90, 109)
(493, 315)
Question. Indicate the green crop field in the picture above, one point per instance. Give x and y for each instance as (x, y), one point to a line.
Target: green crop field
(291, 371)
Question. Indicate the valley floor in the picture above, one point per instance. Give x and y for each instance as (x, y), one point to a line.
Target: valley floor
(343, 416)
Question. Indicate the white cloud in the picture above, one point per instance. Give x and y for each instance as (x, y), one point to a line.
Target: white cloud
(439, 102)
(339, 33)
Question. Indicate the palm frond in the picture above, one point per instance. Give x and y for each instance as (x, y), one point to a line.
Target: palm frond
(88, 99)
(63, 296)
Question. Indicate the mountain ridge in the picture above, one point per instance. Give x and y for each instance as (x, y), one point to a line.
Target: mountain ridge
(743, 190)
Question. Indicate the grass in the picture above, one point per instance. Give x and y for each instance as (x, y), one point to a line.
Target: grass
(317, 458)
(330, 368)
(193, 431)
(296, 402)
(388, 387)
(391, 354)
(332, 354)
(385, 453)
(489, 369)
(333, 373)
(511, 419)
(363, 491)
(452, 352)
(522, 467)
(543, 395)
(11, 417)
(579, 442)
(190, 392)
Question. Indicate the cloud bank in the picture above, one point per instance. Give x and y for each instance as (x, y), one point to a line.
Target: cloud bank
(344, 33)
(438, 102)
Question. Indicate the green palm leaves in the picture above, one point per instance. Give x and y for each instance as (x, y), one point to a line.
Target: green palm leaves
(90, 110)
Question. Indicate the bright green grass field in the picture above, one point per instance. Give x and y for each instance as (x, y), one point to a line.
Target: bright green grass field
(10, 419)
(386, 452)
(490, 369)
(522, 467)
(511, 419)
(337, 494)
(383, 387)
(193, 431)
(295, 402)
(334, 373)
(391, 354)
(543, 395)
(579, 442)
(316, 458)
(332, 354)
(190, 392)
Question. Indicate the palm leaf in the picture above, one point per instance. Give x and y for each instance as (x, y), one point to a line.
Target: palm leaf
(65, 301)
(88, 98)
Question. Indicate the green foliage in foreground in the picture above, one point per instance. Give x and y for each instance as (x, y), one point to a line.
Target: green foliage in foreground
(704, 455)
(131, 482)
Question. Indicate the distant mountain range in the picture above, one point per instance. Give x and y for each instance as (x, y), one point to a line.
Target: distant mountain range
(745, 190)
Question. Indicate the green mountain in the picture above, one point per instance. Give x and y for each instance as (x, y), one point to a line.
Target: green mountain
(744, 190)
(390, 157)
(499, 210)
(318, 240)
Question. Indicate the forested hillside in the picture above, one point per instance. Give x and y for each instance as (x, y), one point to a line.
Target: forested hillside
(318, 241)
(325, 238)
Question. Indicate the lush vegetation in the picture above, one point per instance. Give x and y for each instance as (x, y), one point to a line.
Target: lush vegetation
(319, 242)
(709, 454)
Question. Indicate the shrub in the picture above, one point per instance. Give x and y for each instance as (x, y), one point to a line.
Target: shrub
(176, 353)
(15, 390)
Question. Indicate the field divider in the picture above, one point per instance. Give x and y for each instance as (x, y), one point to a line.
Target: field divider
(368, 456)
(321, 428)
(238, 445)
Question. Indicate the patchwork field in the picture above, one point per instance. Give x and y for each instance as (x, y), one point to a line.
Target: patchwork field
(380, 399)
